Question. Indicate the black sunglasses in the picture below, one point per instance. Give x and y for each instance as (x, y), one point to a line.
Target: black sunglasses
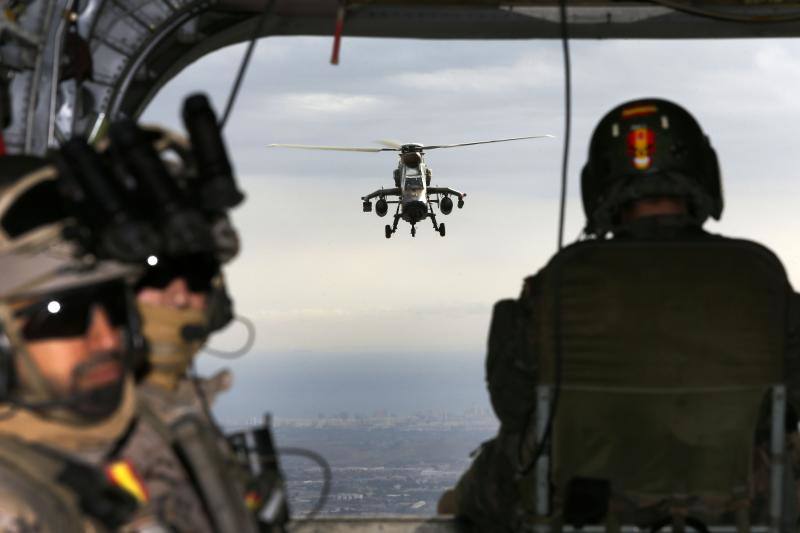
(69, 313)
(198, 270)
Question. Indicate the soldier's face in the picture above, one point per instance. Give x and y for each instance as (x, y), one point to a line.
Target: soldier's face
(176, 294)
(79, 364)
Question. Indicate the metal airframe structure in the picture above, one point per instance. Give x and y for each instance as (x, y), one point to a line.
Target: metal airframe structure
(136, 46)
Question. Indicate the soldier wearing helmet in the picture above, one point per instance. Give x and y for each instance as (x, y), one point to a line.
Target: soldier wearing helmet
(182, 299)
(69, 337)
(72, 233)
(649, 158)
(652, 175)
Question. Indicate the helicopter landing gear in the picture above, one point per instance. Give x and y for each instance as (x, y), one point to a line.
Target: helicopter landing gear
(388, 230)
(436, 227)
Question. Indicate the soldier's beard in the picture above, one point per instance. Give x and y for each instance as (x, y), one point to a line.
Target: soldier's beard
(97, 386)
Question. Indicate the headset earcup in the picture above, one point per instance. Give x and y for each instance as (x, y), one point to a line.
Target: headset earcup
(7, 369)
(136, 346)
(714, 178)
(587, 178)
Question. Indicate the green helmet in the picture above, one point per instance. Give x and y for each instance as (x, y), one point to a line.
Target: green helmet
(649, 148)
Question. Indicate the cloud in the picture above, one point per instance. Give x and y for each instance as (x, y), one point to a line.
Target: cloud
(316, 313)
(329, 102)
(529, 71)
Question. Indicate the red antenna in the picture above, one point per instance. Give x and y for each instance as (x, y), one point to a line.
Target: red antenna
(337, 33)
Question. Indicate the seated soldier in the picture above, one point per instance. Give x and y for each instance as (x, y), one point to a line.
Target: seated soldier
(652, 176)
(182, 299)
(67, 396)
(74, 400)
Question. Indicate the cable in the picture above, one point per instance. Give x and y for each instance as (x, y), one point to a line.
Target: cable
(248, 345)
(542, 444)
(327, 477)
(245, 62)
(726, 17)
(567, 119)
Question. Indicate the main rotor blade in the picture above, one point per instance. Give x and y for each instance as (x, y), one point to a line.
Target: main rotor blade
(390, 143)
(331, 148)
(485, 142)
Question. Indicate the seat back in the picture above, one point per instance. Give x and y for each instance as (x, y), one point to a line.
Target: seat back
(662, 354)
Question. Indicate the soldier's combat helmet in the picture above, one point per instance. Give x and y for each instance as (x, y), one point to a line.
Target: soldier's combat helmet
(648, 148)
(48, 281)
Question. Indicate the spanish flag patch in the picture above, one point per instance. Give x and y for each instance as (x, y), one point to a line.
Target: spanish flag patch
(253, 500)
(123, 474)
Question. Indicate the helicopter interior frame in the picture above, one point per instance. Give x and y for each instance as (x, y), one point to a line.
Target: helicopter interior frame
(137, 47)
(136, 50)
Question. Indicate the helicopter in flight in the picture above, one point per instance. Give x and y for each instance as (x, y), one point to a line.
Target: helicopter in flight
(412, 183)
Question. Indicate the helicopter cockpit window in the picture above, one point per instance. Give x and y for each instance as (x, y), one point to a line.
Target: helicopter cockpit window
(413, 182)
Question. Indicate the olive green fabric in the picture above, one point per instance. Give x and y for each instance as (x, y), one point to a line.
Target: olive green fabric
(665, 352)
(508, 375)
(32, 476)
(673, 315)
(658, 444)
(63, 493)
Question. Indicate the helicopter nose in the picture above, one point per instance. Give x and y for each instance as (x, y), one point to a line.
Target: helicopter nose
(415, 210)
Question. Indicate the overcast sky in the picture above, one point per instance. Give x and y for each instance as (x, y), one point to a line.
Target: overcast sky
(317, 275)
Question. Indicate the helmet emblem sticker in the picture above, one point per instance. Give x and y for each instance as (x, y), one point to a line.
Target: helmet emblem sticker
(641, 146)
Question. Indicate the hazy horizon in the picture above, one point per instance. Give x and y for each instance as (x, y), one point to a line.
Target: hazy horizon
(305, 384)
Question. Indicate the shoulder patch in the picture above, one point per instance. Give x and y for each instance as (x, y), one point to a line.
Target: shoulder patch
(124, 475)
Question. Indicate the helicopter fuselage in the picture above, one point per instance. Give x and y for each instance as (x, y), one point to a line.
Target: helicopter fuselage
(414, 180)
(415, 195)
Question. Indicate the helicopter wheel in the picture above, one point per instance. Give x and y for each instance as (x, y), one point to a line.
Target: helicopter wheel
(413, 231)
(388, 231)
(441, 229)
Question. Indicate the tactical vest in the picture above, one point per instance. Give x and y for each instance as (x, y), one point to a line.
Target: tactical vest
(658, 357)
(66, 495)
(213, 472)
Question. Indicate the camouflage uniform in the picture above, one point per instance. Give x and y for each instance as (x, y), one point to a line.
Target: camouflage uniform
(52, 477)
(175, 406)
(172, 494)
(179, 417)
(170, 497)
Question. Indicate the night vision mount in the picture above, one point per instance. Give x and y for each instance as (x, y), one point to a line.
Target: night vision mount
(132, 199)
